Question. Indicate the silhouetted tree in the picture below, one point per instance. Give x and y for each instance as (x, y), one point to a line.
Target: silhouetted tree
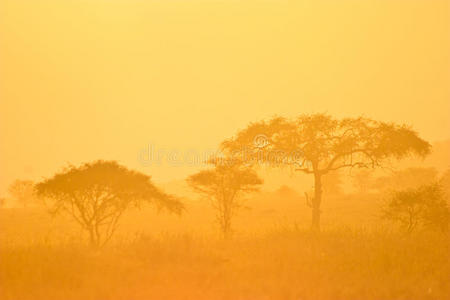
(225, 185)
(318, 144)
(423, 206)
(23, 192)
(97, 194)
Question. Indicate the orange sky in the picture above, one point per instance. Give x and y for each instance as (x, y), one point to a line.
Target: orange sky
(88, 79)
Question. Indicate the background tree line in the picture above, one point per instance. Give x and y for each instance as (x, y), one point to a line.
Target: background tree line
(97, 194)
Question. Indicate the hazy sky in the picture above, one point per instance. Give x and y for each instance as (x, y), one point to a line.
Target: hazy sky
(87, 79)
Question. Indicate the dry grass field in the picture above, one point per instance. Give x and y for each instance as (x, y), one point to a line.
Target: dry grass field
(280, 263)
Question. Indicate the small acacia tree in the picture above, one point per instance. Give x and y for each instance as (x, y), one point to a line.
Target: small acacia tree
(415, 207)
(97, 194)
(23, 192)
(225, 185)
(318, 144)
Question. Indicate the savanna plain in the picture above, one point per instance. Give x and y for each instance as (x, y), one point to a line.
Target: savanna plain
(272, 255)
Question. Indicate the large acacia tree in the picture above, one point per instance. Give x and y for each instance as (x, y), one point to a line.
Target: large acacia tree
(318, 144)
(224, 185)
(97, 194)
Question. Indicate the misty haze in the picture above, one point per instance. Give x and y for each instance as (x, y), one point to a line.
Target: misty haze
(224, 150)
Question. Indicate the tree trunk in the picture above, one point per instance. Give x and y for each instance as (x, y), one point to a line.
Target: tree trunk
(315, 224)
(92, 238)
(226, 227)
(226, 233)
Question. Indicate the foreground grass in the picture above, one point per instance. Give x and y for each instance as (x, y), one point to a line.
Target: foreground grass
(284, 264)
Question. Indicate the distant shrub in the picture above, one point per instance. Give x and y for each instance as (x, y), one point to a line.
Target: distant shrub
(425, 207)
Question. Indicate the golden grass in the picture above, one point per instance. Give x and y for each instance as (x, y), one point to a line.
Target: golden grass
(280, 264)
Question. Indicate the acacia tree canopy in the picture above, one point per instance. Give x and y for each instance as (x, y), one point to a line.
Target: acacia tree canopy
(224, 185)
(97, 194)
(317, 144)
